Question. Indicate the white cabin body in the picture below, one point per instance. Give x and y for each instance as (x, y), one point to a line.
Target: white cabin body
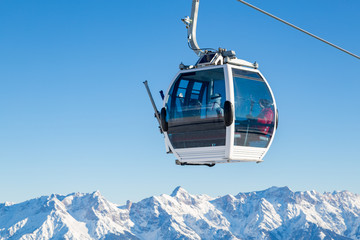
(222, 110)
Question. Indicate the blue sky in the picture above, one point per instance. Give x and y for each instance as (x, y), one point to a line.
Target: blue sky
(75, 116)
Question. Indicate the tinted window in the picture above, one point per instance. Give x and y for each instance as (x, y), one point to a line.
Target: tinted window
(254, 110)
(195, 109)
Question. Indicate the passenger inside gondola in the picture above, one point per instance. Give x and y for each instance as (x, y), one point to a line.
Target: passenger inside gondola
(263, 124)
(215, 109)
(266, 116)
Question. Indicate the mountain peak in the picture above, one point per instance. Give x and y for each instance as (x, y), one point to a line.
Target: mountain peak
(7, 204)
(96, 194)
(178, 191)
(277, 191)
(274, 188)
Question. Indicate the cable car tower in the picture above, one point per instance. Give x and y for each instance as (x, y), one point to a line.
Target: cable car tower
(219, 110)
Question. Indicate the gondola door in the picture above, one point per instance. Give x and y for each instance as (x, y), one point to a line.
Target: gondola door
(195, 110)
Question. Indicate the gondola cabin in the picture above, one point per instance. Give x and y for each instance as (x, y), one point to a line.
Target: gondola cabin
(219, 110)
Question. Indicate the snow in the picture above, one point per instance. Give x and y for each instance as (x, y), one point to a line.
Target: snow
(275, 213)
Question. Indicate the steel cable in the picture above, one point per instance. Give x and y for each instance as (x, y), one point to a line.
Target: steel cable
(297, 28)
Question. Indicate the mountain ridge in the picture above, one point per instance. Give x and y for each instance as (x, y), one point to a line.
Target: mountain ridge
(273, 213)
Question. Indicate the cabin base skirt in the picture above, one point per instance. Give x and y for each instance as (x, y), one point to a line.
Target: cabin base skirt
(215, 155)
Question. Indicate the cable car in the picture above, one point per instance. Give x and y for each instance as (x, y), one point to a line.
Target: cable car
(219, 110)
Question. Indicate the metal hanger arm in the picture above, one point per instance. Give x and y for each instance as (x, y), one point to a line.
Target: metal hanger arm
(191, 24)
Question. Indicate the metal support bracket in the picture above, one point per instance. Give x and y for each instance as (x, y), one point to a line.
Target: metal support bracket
(191, 24)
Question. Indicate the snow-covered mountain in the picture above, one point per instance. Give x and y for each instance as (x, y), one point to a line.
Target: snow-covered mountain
(275, 213)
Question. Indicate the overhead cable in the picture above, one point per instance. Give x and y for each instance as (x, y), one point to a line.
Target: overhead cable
(297, 28)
